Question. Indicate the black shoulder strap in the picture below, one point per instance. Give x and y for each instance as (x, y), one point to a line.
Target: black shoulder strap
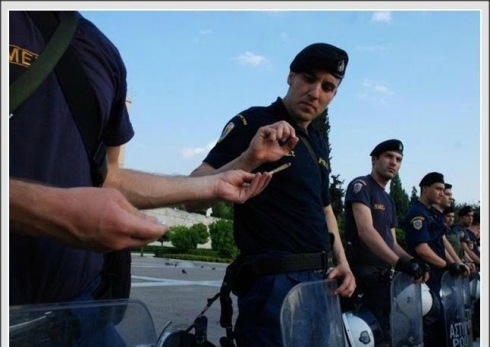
(32, 78)
(79, 95)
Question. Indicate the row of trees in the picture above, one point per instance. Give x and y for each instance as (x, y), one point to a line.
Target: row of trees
(185, 238)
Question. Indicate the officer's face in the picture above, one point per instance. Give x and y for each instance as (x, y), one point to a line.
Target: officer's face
(447, 198)
(467, 219)
(309, 95)
(387, 164)
(449, 219)
(435, 193)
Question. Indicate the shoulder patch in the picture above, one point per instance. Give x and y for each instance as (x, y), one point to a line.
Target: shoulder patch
(417, 222)
(228, 128)
(358, 184)
(357, 187)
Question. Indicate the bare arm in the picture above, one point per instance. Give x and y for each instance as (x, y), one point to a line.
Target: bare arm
(370, 236)
(472, 255)
(146, 190)
(397, 248)
(427, 255)
(96, 218)
(342, 269)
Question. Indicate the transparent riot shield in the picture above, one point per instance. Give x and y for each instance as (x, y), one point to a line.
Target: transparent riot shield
(406, 312)
(468, 311)
(474, 286)
(452, 297)
(91, 323)
(310, 316)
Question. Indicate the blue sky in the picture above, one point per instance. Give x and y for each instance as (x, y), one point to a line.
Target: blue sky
(412, 75)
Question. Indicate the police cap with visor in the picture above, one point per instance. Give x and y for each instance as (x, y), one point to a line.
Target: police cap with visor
(322, 57)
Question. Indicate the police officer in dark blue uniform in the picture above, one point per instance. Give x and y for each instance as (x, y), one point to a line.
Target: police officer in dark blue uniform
(371, 246)
(424, 238)
(283, 233)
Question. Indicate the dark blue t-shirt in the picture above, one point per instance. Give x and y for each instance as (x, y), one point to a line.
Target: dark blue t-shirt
(421, 225)
(46, 147)
(288, 215)
(367, 191)
(424, 224)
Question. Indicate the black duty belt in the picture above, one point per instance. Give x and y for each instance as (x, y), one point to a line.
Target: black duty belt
(288, 263)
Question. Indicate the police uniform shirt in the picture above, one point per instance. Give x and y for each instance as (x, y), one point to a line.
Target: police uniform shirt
(288, 215)
(367, 191)
(473, 240)
(460, 233)
(421, 226)
(46, 146)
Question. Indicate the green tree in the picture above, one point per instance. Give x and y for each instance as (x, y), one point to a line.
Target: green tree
(400, 197)
(200, 233)
(223, 210)
(336, 195)
(222, 241)
(322, 125)
(164, 238)
(414, 197)
(186, 238)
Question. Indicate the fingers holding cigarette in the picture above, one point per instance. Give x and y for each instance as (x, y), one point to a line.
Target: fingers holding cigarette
(280, 168)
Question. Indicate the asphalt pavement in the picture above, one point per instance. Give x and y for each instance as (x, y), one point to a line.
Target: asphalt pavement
(177, 291)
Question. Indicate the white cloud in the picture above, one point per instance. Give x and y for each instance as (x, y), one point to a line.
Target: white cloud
(205, 31)
(381, 16)
(378, 88)
(249, 58)
(192, 152)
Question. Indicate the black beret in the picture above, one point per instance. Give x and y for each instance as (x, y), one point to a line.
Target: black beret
(431, 178)
(388, 145)
(464, 211)
(323, 57)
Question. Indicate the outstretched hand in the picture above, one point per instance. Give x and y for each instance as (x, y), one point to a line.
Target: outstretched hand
(102, 219)
(272, 142)
(238, 186)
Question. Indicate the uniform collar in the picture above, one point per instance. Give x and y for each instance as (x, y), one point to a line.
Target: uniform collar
(281, 113)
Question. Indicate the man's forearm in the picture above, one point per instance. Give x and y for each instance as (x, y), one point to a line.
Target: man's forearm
(33, 207)
(147, 191)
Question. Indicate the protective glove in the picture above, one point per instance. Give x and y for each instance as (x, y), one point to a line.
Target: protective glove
(410, 267)
(453, 269)
(424, 266)
(465, 270)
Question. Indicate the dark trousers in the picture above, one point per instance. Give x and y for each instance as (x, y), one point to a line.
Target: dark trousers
(258, 322)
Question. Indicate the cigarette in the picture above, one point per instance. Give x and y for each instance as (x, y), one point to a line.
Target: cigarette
(280, 168)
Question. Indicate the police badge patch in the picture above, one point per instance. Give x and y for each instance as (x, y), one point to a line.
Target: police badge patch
(229, 127)
(417, 224)
(357, 187)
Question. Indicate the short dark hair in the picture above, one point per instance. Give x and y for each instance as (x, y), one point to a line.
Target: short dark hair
(448, 210)
(464, 211)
